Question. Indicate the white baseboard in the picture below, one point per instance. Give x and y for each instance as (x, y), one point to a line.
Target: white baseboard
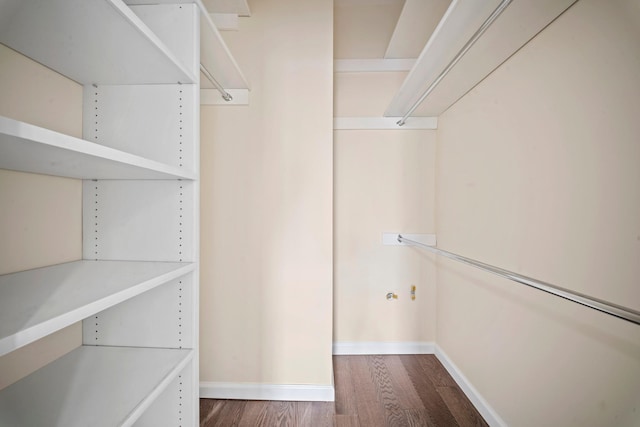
(412, 347)
(257, 391)
(487, 412)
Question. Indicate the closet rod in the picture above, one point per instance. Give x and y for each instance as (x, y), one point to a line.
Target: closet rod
(618, 311)
(501, 7)
(225, 95)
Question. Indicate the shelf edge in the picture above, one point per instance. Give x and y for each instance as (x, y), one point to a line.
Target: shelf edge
(26, 336)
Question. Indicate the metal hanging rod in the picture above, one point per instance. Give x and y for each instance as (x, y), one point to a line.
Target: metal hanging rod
(501, 7)
(618, 311)
(225, 95)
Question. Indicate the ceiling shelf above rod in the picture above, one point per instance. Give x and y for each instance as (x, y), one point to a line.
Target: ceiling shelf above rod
(517, 24)
(485, 25)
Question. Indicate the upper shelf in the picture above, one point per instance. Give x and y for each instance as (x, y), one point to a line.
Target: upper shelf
(36, 303)
(90, 41)
(29, 148)
(92, 386)
(518, 24)
(416, 23)
(214, 53)
(217, 59)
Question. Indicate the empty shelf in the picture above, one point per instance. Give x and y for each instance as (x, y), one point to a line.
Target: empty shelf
(90, 41)
(217, 59)
(38, 302)
(519, 22)
(92, 386)
(215, 56)
(29, 148)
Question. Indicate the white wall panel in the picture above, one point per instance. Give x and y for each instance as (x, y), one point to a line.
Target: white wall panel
(158, 318)
(139, 220)
(153, 121)
(174, 406)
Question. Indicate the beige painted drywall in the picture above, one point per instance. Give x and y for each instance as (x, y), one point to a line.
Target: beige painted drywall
(34, 94)
(40, 216)
(365, 94)
(266, 196)
(363, 28)
(384, 182)
(537, 172)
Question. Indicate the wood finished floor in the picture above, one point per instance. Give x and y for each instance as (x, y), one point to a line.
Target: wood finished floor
(371, 391)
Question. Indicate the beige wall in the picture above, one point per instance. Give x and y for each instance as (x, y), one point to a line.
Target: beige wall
(537, 172)
(41, 216)
(365, 94)
(384, 181)
(363, 28)
(266, 251)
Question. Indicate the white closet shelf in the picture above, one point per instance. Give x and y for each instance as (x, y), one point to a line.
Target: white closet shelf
(92, 386)
(29, 148)
(215, 56)
(36, 303)
(217, 59)
(519, 22)
(90, 41)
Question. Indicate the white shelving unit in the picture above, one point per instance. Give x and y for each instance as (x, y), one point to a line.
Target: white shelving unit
(29, 148)
(92, 42)
(215, 56)
(226, 71)
(38, 302)
(93, 386)
(136, 289)
(519, 22)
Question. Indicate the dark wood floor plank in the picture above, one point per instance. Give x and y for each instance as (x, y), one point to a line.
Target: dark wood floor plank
(437, 410)
(257, 413)
(402, 386)
(418, 418)
(223, 413)
(461, 408)
(284, 413)
(207, 410)
(314, 414)
(346, 421)
(345, 395)
(394, 415)
(371, 413)
(432, 367)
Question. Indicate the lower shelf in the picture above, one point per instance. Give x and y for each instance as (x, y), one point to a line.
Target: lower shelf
(96, 386)
(38, 302)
